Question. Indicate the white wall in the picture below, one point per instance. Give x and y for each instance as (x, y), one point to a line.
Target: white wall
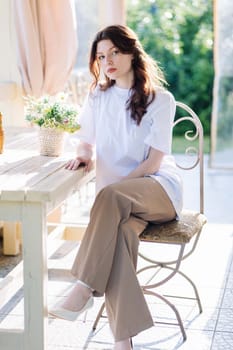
(11, 104)
(112, 12)
(87, 26)
(91, 16)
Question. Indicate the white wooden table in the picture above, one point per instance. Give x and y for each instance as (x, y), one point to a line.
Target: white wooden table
(30, 187)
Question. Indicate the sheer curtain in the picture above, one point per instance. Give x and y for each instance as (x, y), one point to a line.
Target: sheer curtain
(222, 116)
(46, 44)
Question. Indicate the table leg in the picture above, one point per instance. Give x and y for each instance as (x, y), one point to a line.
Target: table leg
(34, 231)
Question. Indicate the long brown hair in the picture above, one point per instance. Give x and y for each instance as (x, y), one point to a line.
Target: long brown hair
(147, 74)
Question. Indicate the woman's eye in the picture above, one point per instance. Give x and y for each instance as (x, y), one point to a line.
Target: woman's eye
(115, 52)
(100, 58)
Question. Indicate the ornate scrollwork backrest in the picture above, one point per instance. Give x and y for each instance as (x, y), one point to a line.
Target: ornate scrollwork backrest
(195, 135)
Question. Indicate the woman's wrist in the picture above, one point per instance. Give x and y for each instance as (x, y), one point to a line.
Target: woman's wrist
(84, 151)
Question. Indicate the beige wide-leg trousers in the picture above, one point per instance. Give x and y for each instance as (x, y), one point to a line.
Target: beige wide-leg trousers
(107, 257)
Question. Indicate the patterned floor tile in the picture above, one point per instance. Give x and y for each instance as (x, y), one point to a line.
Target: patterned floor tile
(225, 320)
(222, 341)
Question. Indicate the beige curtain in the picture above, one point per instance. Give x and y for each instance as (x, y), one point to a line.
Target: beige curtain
(46, 44)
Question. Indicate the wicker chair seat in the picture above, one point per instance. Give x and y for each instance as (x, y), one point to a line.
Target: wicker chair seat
(175, 231)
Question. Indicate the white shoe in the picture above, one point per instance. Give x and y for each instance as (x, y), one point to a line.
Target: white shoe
(61, 312)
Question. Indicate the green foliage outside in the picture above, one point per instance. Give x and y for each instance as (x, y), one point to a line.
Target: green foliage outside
(179, 35)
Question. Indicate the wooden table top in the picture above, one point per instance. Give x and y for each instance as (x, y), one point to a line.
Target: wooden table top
(25, 175)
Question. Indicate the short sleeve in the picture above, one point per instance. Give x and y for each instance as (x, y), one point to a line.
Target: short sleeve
(162, 112)
(87, 121)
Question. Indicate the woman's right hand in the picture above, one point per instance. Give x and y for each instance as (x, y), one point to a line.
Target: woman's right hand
(83, 158)
(74, 164)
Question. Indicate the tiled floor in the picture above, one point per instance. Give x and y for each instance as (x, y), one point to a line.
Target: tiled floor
(210, 266)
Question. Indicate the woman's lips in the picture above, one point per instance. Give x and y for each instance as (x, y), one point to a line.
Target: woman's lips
(111, 70)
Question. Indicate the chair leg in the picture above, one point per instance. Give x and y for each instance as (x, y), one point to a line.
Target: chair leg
(98, 316)
(188, 279)
(179, 320)
(197, 298)
(173, 271)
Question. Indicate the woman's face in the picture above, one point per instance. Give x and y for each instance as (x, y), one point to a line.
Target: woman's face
(114, 64)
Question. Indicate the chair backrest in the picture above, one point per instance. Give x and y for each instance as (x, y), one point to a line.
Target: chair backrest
(191, 128)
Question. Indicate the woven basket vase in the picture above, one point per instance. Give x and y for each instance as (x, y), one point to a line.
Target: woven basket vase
(51, 142)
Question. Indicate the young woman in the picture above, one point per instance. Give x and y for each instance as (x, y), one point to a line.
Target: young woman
(128, 118)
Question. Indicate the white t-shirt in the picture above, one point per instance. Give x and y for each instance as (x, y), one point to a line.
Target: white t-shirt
(121, 145)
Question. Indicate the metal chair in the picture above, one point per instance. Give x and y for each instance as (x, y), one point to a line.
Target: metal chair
(185, 233)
